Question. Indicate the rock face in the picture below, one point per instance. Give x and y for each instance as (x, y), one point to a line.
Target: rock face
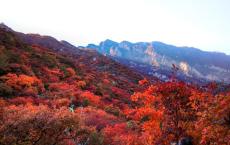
(192, 62)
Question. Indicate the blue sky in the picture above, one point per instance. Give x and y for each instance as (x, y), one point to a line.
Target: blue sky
(204, 24)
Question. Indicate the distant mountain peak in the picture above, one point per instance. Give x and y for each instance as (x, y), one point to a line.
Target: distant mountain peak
(126, 42)
(109, 42)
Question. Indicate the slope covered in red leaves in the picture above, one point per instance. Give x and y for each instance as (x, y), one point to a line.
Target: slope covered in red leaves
(54, 93)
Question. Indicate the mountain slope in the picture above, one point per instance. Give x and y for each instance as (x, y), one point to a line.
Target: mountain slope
(192, 62)
(53, 62)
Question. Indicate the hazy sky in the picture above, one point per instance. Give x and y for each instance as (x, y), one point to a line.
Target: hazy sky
(204, 24)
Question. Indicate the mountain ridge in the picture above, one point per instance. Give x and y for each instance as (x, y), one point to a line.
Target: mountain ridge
(160, 42)
(211, 66)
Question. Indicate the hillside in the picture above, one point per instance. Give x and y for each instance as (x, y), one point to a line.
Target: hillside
(45, 57)
(52, 92)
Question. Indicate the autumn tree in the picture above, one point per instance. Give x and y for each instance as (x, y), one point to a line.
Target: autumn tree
(213, 122)
(41, 125)
(86, 98)
(164, 111)
(21, 84)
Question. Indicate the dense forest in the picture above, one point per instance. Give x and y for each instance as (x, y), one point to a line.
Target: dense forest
(53, 97)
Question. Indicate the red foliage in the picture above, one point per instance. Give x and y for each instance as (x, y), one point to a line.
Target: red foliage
(120, 134)
(96, 117)
(93, 99)
(213, 122)
(80, 84)
(26, 85)
(143, 82)
(70, 72)
(60, 87)
(39, 124)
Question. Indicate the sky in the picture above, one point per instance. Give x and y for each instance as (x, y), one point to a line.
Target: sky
(204, 24)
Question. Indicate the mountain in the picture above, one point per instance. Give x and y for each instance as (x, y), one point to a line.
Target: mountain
(155, 58)
(52, 92)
